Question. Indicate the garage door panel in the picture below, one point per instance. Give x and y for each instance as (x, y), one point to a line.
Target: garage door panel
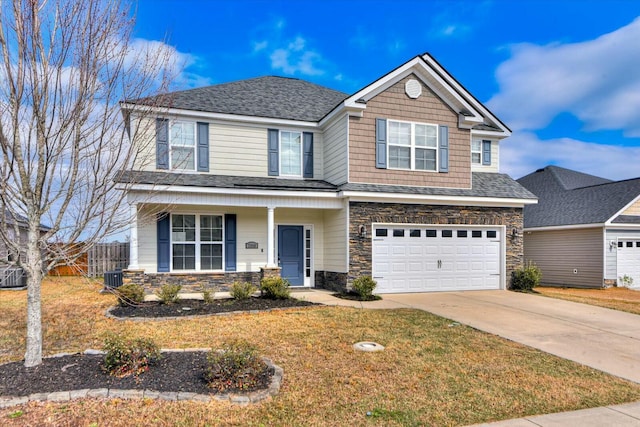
(415, 261)
(628, 260)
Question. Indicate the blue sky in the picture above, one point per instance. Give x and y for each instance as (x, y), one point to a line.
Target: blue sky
(563, 75)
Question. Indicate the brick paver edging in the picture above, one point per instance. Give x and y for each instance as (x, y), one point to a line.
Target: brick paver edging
(197, 316)
(112, 393)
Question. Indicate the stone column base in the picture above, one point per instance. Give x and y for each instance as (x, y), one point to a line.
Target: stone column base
(133, 276)
(269, 272)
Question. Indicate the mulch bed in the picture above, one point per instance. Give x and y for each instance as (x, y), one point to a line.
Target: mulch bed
(198, 307)
(174, 372)
(357, 297)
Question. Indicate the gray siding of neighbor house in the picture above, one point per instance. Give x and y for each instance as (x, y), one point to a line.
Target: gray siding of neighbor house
(611, 253)
(559, 252)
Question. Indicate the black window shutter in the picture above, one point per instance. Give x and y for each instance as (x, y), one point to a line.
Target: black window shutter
(203, 147)
(230, 242)
(307, 138)
(164, 242)
(162, 144)
(486, 152)
(444, 148)
(381, 143)
(272, 151)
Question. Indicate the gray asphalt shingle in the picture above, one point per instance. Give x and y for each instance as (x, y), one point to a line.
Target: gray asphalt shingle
(562, 201)
(270, 96)
(484, 184)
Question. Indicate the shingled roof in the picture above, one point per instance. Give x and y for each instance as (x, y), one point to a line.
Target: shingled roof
(484, 184)
(270, 96)
(567, 197)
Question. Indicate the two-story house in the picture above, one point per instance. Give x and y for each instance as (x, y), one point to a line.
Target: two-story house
(273, 175)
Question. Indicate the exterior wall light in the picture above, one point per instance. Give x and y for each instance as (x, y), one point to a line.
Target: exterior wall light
(363, 232)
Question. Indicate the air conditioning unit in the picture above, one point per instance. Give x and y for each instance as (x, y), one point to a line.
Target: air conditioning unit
(12, 277)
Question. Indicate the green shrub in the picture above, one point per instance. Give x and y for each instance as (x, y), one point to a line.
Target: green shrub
(364, 286)
(126, 356)
(242, 290)
(130, 294)
(526, 278)
(275, 288)
(234, 368)
(168, 293)
(208, 294)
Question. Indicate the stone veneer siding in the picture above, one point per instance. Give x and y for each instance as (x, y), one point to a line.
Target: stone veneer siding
(191, 282)
(331, 280)
(361, 213)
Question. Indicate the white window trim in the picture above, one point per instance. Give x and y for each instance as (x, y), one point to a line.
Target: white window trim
(476, 151)
(413, 146)
(194, 146)
(197, 242)
(280, 131)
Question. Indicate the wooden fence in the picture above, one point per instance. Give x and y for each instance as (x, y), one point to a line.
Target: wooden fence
(107, 257)
(101, 258)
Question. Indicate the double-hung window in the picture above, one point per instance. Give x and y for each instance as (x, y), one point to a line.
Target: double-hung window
(476, 152)
(290, 153)
(182, 138)
(196, 242)
(413, 146)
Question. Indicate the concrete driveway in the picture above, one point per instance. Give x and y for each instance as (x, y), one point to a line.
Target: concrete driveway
(604, 339)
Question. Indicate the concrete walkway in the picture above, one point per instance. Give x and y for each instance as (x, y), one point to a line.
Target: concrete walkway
(604, 339)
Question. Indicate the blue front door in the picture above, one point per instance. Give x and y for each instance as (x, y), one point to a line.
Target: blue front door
(291, 254)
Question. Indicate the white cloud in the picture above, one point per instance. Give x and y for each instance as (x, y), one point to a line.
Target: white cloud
(258, 46)
(524, 152)
(297, 59)
(597, 81)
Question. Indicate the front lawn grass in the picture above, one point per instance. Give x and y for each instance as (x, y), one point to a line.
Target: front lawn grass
(622, 299)
(432, 371)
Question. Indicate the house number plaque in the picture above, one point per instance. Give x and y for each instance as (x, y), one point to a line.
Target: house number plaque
(251, 245)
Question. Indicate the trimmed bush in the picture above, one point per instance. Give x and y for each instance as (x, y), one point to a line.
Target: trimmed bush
(208, 295)
(364, 286)
(129, 356)
(130, 294)
(242, 290)
(168, 293)
(275, 288)
(237, 367)
(526, 278)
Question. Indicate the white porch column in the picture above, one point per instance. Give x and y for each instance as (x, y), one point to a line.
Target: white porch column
(133, 233)
(270, 240)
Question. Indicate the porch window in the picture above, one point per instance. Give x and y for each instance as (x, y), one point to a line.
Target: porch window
(196, 242)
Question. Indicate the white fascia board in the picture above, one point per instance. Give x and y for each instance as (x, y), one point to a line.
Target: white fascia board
(622, 227)
(170, 112)
(151, 188)
(627, 206)
(362, 196)
(477, 104)
(564, 227)
(489, 133)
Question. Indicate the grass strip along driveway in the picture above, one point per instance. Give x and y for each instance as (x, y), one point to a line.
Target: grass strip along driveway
(622, 299)
(432, 371)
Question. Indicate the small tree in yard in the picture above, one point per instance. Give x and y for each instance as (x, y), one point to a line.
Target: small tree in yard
(64, 67)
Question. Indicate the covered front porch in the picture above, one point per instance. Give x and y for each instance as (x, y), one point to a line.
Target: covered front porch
(212, 240)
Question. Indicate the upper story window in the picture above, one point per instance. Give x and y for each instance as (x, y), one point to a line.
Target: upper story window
(182, 140)
(290, 153)
(480, 152)
(412, 146)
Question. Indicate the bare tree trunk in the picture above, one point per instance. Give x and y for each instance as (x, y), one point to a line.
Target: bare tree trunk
(33, 267)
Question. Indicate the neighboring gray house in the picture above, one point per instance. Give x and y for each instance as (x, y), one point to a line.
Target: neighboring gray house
(9, 274)
(277, 176)
(585, 230)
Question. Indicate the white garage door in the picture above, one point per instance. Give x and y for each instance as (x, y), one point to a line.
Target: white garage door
(629, 260)
(423, 258)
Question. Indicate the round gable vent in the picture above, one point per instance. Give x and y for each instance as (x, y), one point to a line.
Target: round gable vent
(413, 88)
